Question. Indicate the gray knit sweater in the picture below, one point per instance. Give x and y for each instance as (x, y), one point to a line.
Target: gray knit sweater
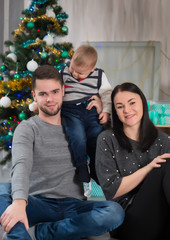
(41, 162)
(113, 162)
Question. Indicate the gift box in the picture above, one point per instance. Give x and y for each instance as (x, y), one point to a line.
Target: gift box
(92, 189)
(159, 112)
(96, 190)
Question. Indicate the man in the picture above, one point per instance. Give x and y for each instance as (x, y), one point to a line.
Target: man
(45, 189)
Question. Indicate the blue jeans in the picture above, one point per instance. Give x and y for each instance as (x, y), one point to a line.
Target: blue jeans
(63, 219)
(82, 128)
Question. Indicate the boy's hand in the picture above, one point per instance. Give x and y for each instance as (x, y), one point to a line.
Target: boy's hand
(104, 117)
(15, 213)
(95, 102)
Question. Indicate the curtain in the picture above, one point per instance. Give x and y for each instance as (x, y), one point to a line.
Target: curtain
(10, 13)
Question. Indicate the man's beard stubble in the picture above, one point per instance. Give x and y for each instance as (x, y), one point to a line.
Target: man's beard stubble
(50, 113)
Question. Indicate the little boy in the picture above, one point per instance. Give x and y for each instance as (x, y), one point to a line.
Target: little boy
(82, 80)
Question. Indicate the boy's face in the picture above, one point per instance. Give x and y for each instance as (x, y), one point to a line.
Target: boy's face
(80, 72)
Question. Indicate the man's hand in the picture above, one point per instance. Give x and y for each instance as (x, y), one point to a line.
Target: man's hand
(104, 117)
(16, 212)
(95, 102)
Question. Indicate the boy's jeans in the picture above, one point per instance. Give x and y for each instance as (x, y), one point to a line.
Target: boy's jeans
(82, 128)
(63, 219)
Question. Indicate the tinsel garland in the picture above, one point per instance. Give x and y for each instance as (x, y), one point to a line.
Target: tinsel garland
(17, 103)
(34, 2)
(49, 48)
(38, 2)
(20, 103)
(6, 137)
(43, 17)
(15, 84)
(27, 43)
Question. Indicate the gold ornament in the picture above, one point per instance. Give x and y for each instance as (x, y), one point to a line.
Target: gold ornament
(28, 101)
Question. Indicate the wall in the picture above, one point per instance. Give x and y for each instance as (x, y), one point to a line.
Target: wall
(1, 24)
(108, 20)
(122, 20)
(10, 13)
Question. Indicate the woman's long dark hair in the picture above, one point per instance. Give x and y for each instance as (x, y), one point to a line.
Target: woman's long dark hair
(148, 132)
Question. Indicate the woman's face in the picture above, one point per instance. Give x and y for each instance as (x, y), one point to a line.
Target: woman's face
(129, 108)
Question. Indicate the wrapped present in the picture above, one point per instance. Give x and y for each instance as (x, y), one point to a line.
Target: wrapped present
(159, 112)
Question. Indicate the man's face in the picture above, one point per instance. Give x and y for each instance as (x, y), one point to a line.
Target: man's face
(48, 95)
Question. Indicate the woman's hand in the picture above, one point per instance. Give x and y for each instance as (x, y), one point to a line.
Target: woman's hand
(133, 180)
(95, 102)
(156, 162)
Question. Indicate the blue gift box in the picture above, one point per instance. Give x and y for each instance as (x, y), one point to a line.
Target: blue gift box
(159, 112)
(94, 189)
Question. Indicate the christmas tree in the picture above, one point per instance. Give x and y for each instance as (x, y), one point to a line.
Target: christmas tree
(35, 42)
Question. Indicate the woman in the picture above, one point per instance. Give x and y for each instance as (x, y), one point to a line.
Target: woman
(133, 166)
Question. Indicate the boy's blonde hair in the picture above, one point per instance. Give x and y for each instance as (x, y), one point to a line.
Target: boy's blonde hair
(85, 56)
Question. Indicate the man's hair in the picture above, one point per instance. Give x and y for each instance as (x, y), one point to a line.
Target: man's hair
(46, 72)
(85, 56)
